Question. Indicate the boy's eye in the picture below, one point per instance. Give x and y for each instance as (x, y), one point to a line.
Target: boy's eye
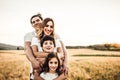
(45, 43)
(51, 43)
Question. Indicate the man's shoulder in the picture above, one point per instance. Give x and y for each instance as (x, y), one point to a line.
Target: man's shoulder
(30, 33)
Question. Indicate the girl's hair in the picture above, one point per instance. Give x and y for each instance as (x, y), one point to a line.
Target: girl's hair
(45, 21)
(48, 58)
(45, 38)
(37, 15)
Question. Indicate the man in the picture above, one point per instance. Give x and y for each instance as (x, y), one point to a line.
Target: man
(35, 21)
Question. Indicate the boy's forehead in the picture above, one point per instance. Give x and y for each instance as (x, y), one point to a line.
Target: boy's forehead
(48, 41)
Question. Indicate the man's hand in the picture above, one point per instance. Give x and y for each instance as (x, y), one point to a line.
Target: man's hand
(35, 64)
(37, 76)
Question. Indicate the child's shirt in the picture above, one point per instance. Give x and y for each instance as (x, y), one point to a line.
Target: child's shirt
(48, 76)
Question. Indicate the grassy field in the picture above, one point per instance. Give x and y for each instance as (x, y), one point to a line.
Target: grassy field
(84, 64)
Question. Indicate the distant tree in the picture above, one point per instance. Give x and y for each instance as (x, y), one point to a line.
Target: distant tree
(18, 48)
(107, 46)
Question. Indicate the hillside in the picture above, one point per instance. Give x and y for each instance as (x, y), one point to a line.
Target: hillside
(10, 47)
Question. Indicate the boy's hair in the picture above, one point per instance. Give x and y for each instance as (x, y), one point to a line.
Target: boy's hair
(48, 58)
(45, 38)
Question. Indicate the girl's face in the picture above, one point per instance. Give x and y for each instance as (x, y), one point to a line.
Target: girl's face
(49, 28)
(36, 21)
(48, 46)
(53, 65)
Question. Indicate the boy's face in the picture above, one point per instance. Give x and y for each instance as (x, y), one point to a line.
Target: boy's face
(53, 64)
(48, 46)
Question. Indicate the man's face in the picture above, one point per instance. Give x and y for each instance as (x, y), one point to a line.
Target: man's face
(48, 46)
(36, 21)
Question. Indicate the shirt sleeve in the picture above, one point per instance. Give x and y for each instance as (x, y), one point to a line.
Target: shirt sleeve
(42, 75)
(27, 37)
(58, 43)
(34, 41)
(57, 36)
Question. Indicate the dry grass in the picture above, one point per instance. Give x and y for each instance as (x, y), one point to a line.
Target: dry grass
(15, 66)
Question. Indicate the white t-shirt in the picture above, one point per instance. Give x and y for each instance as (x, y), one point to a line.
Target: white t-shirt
(28, 38)
(48, 76)
(36, 42)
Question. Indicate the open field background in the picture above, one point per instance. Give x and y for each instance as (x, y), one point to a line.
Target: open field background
(84, 64)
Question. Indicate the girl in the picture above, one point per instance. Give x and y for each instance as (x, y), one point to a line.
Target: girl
(51, 68)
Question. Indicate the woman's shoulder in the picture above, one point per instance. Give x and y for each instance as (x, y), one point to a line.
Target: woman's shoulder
(57, 36)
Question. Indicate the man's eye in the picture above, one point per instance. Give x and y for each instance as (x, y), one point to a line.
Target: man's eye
(33, 22)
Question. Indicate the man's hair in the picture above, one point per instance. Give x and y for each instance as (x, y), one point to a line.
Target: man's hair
(37, 15)
(45, 38)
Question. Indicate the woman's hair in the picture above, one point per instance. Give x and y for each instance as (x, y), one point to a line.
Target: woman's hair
(48, 58)
(45, 21)
(46, 38)
(37, 15)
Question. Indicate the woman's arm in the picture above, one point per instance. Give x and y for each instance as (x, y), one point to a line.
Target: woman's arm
(65, 53)
(65, 63)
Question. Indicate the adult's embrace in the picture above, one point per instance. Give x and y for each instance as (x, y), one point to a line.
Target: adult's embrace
(35, 21)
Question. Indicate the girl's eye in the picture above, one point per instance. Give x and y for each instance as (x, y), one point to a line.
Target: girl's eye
(56, 62)
(51, 62)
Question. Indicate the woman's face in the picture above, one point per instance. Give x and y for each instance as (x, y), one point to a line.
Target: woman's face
(53, 65)
(48, 46)
(49, 28)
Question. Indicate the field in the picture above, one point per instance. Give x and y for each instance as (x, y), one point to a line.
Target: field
(84, 64)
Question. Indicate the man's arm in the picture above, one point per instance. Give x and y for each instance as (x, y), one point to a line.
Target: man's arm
(29, 55)
(37, 53)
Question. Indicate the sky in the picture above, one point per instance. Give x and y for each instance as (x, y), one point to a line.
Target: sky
(78, 22)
